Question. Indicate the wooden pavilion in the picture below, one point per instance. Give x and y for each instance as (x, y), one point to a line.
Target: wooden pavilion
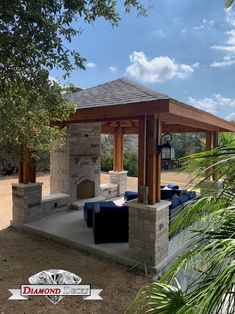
(124, 107)
(119, 107)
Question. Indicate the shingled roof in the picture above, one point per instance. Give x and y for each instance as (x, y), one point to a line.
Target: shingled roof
(119, 92)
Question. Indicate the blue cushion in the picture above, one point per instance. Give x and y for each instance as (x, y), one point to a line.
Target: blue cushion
(110, 224)
(112, 209)
(172, 185)
(175, 201)
(191, 194)
(184, 198)
(89, 208)
(130, 195)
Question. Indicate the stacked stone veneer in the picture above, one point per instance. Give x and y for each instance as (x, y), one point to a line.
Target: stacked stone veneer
(76, 158)
(26, 199)
(28, 204)
(119, 179)
(148, 228)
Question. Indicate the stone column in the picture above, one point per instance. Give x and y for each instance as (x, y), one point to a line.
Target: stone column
(26, 202)
(119, 178)
(148, 228)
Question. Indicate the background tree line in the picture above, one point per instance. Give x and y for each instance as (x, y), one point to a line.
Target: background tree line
(185, 144)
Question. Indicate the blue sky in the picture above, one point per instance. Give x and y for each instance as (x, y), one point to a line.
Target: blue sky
(184, 48)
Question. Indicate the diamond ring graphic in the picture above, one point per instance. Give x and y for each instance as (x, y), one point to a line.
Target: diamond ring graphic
(54, 277)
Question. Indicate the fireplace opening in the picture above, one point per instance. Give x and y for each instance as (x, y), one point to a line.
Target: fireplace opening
(86, 189)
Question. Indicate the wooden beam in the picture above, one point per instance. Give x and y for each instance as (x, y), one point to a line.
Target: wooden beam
(177, 128)
(126, 111)
(188, 112)
(189, 122)
(141, 158)
(215, 144)
(106, 129)
(118, 150)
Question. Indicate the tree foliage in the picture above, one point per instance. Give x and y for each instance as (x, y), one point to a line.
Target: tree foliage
(228, 3)
(34, 39)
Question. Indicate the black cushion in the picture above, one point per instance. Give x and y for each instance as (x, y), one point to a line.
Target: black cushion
(110, 224)
(130, 195)
(89, 208)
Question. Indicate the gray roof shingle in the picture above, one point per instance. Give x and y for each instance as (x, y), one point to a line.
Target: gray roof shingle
(118, 92)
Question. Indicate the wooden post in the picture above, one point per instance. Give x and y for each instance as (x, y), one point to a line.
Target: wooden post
(208, 147)
(118, 150)
(141, 158)
(27, 166)
(20, 165)
(158, 161)
(151, 159)
(215, 144)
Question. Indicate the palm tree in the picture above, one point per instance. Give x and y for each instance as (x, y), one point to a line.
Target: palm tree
(208, 263)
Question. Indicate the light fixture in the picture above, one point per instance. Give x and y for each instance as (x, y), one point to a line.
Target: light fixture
(166, 149)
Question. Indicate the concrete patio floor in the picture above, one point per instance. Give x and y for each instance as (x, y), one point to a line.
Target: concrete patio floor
(69, 228)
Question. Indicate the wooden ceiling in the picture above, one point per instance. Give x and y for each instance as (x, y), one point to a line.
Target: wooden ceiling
(132, 127)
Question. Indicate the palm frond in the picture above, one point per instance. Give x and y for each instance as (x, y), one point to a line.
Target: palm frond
(157, 298)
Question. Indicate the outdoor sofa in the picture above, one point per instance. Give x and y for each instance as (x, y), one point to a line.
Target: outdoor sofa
(110, 221)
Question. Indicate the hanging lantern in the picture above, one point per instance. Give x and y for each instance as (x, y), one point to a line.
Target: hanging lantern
(166, 148)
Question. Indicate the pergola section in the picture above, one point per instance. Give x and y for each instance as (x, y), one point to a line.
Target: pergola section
(123, 107)
(119, 107)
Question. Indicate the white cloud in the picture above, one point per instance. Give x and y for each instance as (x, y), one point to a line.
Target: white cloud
(225, 48)
(212, 104)
(157, 70)
(206, 24)
(91, 65)
(113, 68)
(227, 61)
(231, 117)
(229, 46)
(159, 33)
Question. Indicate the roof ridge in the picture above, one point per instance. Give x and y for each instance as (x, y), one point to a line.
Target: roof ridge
(86, 89)
(142, 88)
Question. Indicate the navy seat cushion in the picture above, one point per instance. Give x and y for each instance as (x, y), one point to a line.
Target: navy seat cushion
(192, 194)
(184, 198)
(168, 194)
(175, 201)
(89, 208)
(130, 195)
(165, 194)
(110, 224)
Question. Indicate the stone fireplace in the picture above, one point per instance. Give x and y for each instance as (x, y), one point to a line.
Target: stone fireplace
(75, 162)
(85, 189)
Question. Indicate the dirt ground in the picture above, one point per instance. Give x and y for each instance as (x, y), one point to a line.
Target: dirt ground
(23, 254)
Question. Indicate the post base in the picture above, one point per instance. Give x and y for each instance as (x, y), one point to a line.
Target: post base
(148, 228)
